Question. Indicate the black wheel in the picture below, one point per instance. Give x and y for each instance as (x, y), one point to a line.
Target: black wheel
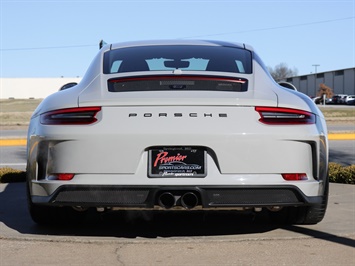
(315, 213)
(48, 215)
(302, 215)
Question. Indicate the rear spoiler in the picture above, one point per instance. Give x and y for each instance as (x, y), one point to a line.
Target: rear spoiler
(102, 43)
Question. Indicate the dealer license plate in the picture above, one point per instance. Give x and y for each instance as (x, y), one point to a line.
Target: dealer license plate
(177, 162)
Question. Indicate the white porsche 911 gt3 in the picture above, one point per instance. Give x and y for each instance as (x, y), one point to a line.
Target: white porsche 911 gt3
(178, 125)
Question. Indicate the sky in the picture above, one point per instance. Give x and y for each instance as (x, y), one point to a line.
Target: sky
(59, 38)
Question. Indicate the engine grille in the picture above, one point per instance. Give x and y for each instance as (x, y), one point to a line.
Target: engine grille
(147, 197)
(251, 196)
(105, 196)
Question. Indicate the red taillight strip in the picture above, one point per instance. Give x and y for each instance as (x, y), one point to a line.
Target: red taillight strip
(284, 116)
(295, 177)
(175, 77)
(71, 116)
(64, 176)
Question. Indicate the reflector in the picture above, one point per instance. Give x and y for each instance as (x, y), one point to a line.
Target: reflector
(295, 177)
(65, 176)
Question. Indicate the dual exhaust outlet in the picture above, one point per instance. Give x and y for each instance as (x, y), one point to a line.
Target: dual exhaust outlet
(167, 200)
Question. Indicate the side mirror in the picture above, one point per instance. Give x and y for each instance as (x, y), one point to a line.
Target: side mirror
(68, 85)
(287, 85)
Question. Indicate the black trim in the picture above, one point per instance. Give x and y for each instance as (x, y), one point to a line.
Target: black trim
(186, 82)
(147, 196)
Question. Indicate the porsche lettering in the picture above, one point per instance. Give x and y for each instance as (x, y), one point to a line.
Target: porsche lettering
(178, 115)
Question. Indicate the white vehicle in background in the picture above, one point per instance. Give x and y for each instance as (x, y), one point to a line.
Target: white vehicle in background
(350, 99)
(177, 125)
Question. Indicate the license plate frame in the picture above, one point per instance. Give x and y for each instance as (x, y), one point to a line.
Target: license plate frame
(177, 162)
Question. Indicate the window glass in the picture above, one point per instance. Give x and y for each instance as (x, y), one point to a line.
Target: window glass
(115, 66)
(184, 57)
(339, 72)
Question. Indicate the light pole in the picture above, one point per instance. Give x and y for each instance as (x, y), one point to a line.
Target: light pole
(315, 66)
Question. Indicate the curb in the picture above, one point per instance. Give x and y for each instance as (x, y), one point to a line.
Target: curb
(23, 142)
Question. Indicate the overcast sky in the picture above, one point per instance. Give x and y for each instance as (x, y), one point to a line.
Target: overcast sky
(46, 38)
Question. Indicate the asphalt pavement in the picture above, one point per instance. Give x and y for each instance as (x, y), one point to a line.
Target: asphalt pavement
(183, 238)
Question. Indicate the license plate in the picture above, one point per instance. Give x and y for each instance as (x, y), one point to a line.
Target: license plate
(177, 162)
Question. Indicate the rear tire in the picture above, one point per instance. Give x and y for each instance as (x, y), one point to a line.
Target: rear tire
(40, 214)
(45, 215)
(315, 213)
(303, 215)
(49, 215)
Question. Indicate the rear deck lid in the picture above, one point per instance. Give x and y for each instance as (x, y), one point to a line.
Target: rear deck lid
(186, 90)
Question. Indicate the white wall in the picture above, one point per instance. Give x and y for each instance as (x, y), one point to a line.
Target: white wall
(25, 88)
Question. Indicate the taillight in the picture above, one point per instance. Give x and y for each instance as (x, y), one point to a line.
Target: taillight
(295, 177)
(284, 116)
(71, 116)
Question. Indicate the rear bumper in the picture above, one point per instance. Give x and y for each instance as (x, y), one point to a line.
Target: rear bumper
(147, 197)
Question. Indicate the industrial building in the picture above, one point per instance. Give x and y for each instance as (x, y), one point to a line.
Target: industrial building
(340, 81)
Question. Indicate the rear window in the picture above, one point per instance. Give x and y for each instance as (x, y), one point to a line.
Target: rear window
(184, 57)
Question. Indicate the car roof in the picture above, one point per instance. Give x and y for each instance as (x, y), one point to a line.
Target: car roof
(179, 42)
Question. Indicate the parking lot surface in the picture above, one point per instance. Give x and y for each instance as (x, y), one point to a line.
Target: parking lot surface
(186, 238)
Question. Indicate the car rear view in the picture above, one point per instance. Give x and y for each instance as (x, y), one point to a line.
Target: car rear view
(177, 125)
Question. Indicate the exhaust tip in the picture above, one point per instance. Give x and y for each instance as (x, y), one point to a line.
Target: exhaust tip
(189, 200)
(167, 200)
